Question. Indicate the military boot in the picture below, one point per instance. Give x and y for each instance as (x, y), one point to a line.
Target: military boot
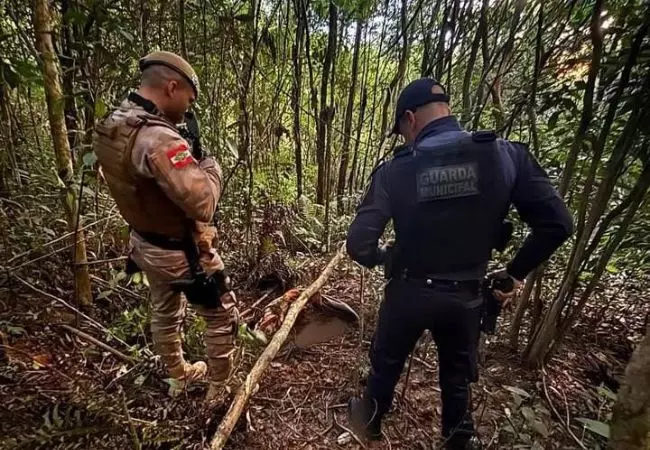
(364, 418)
(186, 374)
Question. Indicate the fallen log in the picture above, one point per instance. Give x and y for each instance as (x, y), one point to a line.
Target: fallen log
(243, 394)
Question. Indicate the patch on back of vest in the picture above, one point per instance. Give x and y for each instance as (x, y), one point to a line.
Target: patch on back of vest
(179, 156)
(443, 182)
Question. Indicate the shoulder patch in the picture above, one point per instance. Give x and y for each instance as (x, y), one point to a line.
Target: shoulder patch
(484, 136)
(180, 155)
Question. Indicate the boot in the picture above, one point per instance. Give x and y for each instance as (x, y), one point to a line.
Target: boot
(364, 418)
(187, 374)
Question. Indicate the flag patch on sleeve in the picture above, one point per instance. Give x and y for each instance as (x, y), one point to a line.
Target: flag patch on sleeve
(179, 156)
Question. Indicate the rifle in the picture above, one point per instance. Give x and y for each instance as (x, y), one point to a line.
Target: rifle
(189, 130)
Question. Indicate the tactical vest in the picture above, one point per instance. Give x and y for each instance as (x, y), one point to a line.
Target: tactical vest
(142, 203)
(447, 203)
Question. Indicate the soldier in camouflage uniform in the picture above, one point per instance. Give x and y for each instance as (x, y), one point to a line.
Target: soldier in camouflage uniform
(167, 195)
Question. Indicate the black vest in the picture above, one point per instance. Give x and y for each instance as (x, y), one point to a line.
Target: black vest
(448, 204)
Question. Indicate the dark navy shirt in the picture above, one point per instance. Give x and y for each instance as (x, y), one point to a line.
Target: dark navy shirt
(536, 200)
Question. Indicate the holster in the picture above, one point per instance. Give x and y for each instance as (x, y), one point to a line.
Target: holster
(204, 290)
(200, 289)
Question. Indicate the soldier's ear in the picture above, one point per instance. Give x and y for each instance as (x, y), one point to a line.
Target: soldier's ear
(172, 87)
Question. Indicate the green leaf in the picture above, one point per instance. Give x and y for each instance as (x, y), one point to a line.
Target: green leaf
(611, 268)
(518, 391)
(603, 391)
(595, 426)
(100, 108)
(89, 159)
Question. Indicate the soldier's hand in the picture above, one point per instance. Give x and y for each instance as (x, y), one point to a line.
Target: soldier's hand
(505, 297)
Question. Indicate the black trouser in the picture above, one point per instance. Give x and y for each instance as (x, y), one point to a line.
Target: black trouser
(451, 311)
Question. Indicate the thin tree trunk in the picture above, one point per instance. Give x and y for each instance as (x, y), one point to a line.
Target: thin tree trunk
(43, 26)
(347, 127)
(469, 70)
(181, 28)
(295, 94)
(588, 98)
(324, 116)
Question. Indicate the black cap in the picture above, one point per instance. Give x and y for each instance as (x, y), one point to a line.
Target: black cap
(417, 93)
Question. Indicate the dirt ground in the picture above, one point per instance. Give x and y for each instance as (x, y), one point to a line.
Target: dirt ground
(58, 391)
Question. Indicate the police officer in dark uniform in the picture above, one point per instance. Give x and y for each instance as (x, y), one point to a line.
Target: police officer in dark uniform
(447, 192)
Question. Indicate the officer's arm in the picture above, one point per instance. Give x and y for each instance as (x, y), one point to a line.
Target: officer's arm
(195, 187)
(372, 216)
(542, 208)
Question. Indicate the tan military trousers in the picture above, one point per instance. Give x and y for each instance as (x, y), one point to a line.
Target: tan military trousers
(169, 308)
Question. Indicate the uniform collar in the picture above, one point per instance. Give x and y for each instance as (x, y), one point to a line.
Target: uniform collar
(438, 126)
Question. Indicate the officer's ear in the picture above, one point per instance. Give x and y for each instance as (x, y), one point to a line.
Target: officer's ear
(172, 87)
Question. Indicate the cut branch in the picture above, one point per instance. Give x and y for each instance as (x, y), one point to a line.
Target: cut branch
(246, 389)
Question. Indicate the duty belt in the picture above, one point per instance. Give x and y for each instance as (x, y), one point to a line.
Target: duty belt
(162, 241)
(431, 280)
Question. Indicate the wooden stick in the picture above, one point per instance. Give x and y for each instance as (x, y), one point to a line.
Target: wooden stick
(92, 321)
(98, 343)
(245, 391)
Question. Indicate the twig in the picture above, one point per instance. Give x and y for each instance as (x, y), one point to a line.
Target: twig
(98, 343)
(260, 300)
(246, 389)
(134, 434)
(60, 238)
(356, 438)
(408, 374)
(72, 308)
(557, 414)
(119, 288)
(101, 261)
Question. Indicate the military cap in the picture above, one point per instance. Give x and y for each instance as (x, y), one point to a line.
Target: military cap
(174, 62)
(417, 93)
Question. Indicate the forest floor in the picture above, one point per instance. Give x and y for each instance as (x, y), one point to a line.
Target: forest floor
(59, 391)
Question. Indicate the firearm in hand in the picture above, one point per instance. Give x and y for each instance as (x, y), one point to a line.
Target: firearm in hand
(189, 130)
(493, 305)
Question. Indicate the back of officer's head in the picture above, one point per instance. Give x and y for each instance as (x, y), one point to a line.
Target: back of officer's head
(420, 102)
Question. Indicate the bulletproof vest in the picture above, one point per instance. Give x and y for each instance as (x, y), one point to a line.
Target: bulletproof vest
(447, 203)
(140, 200)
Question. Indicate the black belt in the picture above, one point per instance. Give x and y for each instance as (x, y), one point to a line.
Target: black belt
(162, 241)
(431, 280)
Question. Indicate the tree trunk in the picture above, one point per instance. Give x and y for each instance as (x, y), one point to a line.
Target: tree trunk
(324, 116)
(630, 428)
(296, 89)
(43, 26)
(469, 70)
(181, 28)
(68, 63)
(347, 127)
(542, 345)
(391, 92)
(588, 99)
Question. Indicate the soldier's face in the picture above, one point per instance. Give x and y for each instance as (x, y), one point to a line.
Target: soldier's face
(180, 97)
